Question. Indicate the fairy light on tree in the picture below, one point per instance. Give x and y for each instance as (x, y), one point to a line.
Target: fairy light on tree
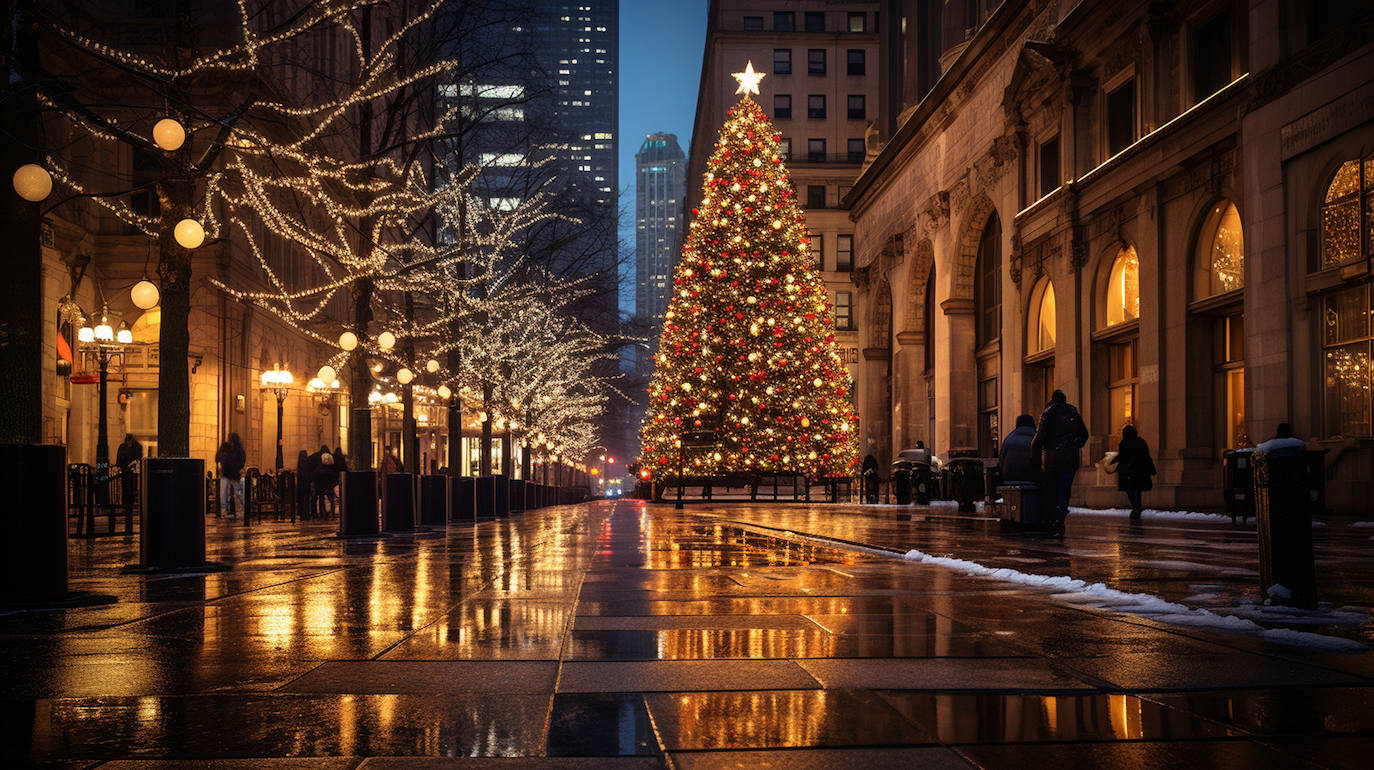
(748, 347)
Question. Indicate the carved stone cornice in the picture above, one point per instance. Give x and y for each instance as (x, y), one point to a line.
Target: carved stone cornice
(957, 306)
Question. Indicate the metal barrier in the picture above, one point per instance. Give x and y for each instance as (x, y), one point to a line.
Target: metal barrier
(92, 493)
(265, 493)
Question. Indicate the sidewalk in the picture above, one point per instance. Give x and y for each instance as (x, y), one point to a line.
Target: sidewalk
(621, 635)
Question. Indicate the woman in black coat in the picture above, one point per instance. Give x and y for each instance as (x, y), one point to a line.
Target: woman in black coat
(1133, 467)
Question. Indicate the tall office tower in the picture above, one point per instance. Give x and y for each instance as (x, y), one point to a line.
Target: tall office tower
(822, 91)
(660, 187)
(542, 96)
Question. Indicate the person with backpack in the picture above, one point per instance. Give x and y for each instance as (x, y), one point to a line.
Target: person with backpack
(231, 458)
(326, 478)
(1054, 453)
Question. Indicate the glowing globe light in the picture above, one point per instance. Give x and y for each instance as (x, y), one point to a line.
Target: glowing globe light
(327, 373)
(348, 341)
(404, 376)
(386, 340)
(445, 392)
(189, 234)
(432, 366)
(168, 134)
(32, 182)
(145, 295)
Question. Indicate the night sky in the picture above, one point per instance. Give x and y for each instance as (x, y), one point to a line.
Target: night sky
(660, 70)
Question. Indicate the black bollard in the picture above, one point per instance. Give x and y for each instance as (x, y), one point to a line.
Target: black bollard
(358, 508)
(486, 497)
(172, 522)
(1284, 506)
(34, 549)
(434, 499)
(398, 509)
(531, 496)
(463, 504)
(517, 495)
(501, 499)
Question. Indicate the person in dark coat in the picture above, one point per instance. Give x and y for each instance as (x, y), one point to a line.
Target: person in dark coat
(1133, 467)
(325, 478)
(129, 452)
(231, 458)
(1054, 452)
(1014, 461)
(340, 461)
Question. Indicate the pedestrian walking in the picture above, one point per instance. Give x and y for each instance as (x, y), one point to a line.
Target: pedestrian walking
(126, 457)
(389, 463)
(231, 458)
(129, 452)
(340, 461)
(1054, 450)
(1133, 468)
(1014, 461)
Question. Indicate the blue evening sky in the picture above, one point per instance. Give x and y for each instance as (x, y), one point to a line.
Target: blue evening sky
(661, 43)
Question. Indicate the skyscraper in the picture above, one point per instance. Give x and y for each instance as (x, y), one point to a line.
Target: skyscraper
(660, 184)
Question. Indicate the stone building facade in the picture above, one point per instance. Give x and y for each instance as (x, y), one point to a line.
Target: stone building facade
(1163, 209)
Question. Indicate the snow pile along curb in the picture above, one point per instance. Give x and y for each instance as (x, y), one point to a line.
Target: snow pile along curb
(1146, 605)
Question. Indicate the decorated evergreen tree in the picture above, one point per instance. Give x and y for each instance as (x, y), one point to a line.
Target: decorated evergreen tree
(748, 348)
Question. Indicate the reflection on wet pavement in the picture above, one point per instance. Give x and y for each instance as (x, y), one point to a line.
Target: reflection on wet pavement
(608, 634)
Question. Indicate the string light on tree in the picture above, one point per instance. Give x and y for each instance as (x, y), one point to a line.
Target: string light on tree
(748, 347)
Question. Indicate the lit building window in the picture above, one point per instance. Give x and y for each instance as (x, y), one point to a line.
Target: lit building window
(1221, 259)
(1123, 288)
(1340, 213)
(1041, 329)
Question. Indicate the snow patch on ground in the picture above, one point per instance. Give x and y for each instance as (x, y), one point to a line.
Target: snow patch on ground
(1099, 595)
(1151, 513)
(1196, 567)
(1362, 523)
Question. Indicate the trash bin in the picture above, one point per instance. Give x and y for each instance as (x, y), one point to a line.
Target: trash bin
(992, 478)
(463, 505)
(35, 543)
(1288, 491)
(398, 512)
(486, 497)
(358, 509)
(172, 524)
(1238, 483)
(901, 481)
(965, 477)
(434, 491)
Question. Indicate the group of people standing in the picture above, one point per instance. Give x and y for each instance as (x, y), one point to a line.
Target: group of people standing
(317, 477)
(1047, 453)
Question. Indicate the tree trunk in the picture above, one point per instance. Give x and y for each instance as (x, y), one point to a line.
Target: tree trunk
(21, 293)
(410, 442)
(360, 382)
(485, 461)
(174, 336)
(455, 420)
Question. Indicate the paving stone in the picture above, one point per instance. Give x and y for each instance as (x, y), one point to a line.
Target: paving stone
(941, 674)
(930, 758)
(682, 675)
(409, 677)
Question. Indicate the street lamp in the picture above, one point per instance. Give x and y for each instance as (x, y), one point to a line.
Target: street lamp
(278, 382)
(106, 343)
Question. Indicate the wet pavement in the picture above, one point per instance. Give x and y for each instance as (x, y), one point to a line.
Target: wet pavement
(625, 635)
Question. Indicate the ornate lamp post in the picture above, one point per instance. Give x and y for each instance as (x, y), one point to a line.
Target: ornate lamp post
(278, 382)
(105, 343)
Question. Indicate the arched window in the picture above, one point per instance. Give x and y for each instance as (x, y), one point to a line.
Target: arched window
(928, 322)
(1038, 373)
(1123, 288)
(1348, 311)
(988, 289)
(1040, 328)
(1221, 252)
(1351, 191)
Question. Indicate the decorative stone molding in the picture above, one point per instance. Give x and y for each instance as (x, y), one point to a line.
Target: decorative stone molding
(935, 213)
(877, 354)
(911, 338)
(1014, 260)
(957, 306)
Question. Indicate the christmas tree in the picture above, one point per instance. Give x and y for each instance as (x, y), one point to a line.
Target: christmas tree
(748, 348)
